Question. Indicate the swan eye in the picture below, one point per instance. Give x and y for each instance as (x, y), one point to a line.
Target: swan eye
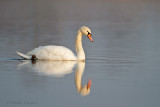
(88, 32)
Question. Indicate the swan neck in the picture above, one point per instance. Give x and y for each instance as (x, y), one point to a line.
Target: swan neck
(78, 46)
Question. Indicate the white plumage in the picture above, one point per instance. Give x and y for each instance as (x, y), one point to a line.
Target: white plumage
(52, 52)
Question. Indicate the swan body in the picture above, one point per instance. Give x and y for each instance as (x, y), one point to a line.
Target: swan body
(52, 52)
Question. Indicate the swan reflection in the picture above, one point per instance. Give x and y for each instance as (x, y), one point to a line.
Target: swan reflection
(59, 69)
(49, 68)
(85, 89)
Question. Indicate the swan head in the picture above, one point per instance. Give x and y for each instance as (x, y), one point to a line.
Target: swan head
(86, 31)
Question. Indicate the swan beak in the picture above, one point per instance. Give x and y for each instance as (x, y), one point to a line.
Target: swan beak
(89, 84)
(90, 37)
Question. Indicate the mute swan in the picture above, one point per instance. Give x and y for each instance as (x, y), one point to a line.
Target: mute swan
(52, 52)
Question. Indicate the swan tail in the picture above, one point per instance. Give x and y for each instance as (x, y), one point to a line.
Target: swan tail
(23, 56)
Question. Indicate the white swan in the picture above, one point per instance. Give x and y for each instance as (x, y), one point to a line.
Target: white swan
(52, 52)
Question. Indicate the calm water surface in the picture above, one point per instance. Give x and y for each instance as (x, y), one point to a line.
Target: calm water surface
(123, 62)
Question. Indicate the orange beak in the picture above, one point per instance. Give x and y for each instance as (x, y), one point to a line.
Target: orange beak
(89, 84)
(90, 37)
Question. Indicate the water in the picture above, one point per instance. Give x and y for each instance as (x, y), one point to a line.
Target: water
(122, 62)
